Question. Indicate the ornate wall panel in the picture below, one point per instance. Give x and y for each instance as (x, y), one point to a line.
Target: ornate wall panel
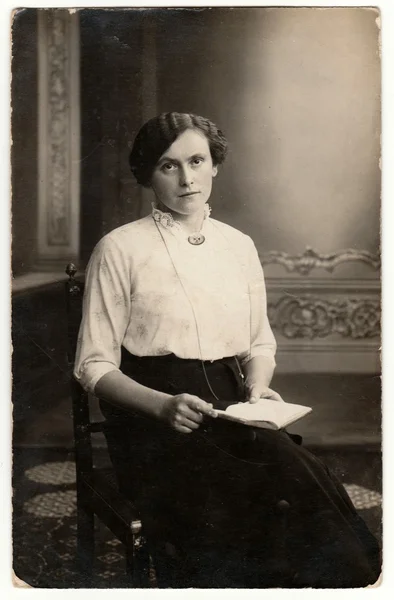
(310, 259)
(310, 317)
(59, 137)
(324, 318)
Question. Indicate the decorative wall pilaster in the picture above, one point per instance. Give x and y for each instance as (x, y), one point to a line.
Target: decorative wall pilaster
(59, 137)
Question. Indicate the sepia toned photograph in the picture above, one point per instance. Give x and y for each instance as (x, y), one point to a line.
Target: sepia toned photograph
(196, 298)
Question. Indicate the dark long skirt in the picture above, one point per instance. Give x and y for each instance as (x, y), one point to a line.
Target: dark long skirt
(210, 500)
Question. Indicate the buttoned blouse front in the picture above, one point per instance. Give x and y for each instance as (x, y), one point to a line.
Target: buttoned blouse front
(148, 289)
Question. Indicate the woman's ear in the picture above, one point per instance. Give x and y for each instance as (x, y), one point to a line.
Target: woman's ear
(214, 171)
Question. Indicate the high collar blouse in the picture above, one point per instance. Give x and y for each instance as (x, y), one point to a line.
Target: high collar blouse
(148, 289)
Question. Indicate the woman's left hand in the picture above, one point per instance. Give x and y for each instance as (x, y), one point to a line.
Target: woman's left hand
(255, 391)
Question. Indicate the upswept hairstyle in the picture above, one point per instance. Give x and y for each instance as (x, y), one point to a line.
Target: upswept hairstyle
(157, 135)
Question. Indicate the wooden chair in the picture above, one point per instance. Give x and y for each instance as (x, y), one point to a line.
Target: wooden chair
(97, 491)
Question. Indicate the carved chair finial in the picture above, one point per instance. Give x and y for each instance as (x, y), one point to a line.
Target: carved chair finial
(283, 506)
(71, 270)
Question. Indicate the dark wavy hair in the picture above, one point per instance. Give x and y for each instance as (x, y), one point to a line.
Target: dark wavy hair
(157, 135)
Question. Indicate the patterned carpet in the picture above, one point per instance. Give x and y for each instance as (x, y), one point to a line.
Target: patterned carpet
(44, 517)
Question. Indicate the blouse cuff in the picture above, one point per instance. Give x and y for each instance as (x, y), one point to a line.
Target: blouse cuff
(92, 373)
(258, 352)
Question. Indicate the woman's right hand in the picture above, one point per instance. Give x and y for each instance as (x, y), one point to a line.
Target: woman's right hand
(185, 412)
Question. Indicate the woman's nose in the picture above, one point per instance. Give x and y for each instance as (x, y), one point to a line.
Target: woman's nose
(186, 176)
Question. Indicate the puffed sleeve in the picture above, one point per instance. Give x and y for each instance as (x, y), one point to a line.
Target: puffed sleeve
(262, 340)
(106, 313)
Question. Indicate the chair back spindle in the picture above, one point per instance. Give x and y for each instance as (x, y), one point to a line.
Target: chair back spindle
(80, 399)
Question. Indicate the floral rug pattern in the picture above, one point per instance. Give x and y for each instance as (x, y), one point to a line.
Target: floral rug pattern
(44, 527)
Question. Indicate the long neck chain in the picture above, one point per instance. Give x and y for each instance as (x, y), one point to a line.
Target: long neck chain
(195, 316)
(192, 309)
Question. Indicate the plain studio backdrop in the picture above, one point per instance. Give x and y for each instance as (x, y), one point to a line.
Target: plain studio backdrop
(297, 93)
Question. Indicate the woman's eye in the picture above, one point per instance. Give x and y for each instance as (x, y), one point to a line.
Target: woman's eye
(197, 161)
(168, 167)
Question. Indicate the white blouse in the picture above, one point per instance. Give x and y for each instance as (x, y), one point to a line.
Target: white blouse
(147, 288)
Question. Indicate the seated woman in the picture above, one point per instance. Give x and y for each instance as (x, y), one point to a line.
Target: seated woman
(175, 326)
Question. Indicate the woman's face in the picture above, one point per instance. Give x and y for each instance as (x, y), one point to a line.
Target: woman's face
(182, 177)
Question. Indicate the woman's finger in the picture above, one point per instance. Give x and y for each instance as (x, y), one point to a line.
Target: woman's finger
(254, 393)
(200, 406)
(189, 423)
(192, 415)
(181, 422)
(271, 395)
(183, 429)
(184, 419)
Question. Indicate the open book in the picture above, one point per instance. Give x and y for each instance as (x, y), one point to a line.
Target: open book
(267, 414)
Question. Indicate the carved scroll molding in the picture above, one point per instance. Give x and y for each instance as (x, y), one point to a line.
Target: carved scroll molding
(309, 317)
(59, 135)
(310, 259)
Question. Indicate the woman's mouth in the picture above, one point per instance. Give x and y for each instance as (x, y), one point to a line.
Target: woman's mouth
(188, 194)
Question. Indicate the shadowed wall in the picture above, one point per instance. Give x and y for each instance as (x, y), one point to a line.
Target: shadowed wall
(24, 141)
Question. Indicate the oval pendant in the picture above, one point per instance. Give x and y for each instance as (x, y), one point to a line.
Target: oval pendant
(196, 239)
